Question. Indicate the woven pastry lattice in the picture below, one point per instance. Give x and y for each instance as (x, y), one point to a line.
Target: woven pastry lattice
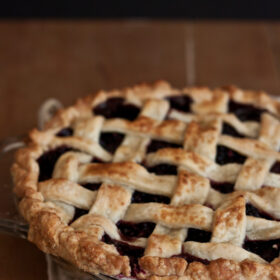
(157, 172)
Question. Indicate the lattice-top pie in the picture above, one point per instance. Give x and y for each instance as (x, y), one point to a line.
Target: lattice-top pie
(155, 182)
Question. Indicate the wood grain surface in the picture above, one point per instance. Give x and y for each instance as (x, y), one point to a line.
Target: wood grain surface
(69, 59)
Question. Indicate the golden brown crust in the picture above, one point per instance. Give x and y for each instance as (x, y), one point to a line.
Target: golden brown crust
(163, 266)
(48, 222)
(222, 269)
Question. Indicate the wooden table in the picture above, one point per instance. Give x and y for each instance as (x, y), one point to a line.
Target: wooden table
(68, 59)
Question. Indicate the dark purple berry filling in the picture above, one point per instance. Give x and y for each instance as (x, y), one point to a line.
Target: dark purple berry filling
(131, 230)
(111, 141)
(253, 211)
(92, 186)
(226, 155)
(78, 213)
(245, 112)
(124, 249)
(180, 103)
(97, 160)
(268, 250)
(140, 197)
(47, 161)
(190, 258)
(229, 130)
(163, 169)
(198, 235)
(157, 145)
(65, 132)
(117, 108)
(222, 187)
(276, 167)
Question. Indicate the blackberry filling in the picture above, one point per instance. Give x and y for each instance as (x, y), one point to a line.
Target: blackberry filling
(140, 197)
(157, 145)
(276, 167)
(111, 141)
(198, 235)
(78, 213)
(124, 249)
(222, 187)
(65, 132)
(226, 155)
(229, 130)
(163, 169)
(253, 211)
(268, 250)
(92, 186)
(131, 230)
(245, 112)
(97, 160)
(190, 258)
(117, 108)
(180, 103)
(47, 161)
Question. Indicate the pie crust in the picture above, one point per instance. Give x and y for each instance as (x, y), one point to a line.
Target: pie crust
(49, 205)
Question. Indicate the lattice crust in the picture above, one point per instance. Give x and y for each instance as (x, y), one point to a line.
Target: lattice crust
(49, 205)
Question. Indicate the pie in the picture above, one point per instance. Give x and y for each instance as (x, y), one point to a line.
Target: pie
(152, 182)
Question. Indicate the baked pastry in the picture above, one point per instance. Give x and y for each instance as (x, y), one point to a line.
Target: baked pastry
(155, 182)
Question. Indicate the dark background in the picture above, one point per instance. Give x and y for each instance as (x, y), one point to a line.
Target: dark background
(178, 9)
